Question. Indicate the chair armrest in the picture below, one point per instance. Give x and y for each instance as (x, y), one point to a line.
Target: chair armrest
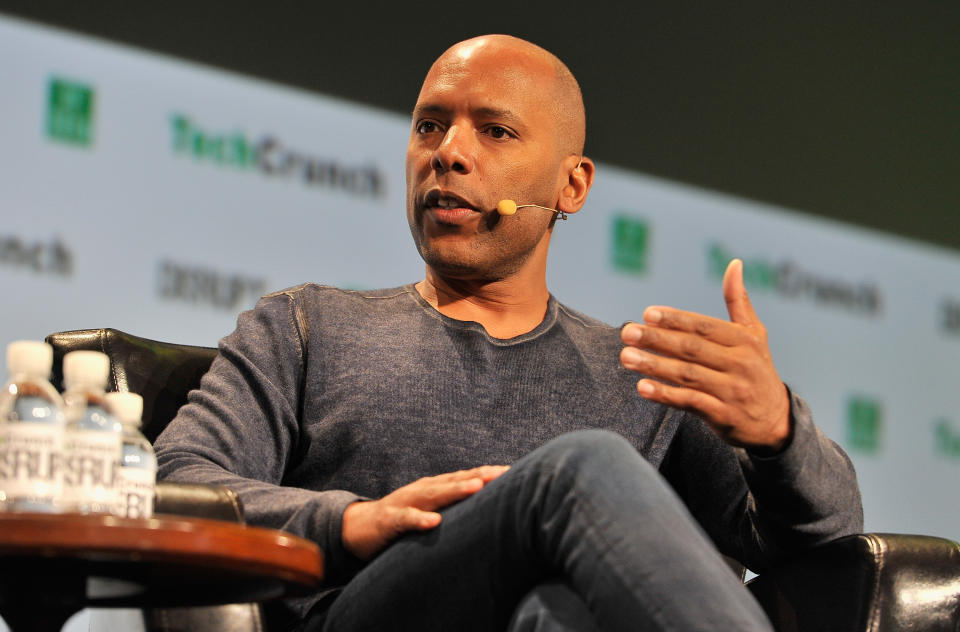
(217, 503)
(198, 501)
(867, 582)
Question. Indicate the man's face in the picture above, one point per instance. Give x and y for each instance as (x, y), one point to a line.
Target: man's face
(484, 129)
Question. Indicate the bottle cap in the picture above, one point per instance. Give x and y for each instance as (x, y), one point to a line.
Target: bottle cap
(86, 369)
(29, 357)
(127, 407)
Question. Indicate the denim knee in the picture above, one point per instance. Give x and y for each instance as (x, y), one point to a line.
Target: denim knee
(584, 459)
(585, 447)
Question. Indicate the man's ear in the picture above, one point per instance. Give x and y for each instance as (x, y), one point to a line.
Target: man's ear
(579, 180)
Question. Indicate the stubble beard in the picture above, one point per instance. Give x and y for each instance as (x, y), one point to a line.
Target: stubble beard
(475, 261)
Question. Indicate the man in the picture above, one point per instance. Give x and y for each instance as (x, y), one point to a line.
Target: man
(417, 397)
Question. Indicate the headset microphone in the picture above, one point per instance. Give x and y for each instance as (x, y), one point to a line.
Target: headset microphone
(509, 207)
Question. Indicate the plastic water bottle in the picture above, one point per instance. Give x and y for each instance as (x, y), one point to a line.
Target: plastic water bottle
(137, 476)
(92, 438)
(31, 431)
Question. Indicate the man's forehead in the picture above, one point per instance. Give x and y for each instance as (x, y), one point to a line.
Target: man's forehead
(488, 82)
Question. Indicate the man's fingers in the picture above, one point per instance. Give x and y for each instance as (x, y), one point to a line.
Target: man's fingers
(716, 330)
(487, 473)
(668, 318)
(677, 344)
(735, 294)
(413, 519)
(709, 407)
(683, 373)
(430, 494)
(437, 492)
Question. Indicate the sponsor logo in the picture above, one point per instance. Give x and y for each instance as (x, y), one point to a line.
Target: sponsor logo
(70, 110)
(950, 316)
(864, 424)
(631, 240)
(204, 286)
(791, 281)
(946, 439)
(271, 157)
(53, 258)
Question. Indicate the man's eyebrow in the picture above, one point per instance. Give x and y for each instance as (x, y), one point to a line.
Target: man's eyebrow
(496, 113)
(483, 112)
(430, 109)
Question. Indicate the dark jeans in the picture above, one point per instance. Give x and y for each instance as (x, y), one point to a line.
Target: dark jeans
(581, 532)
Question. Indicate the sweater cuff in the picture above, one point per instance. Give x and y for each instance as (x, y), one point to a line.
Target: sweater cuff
(789, 461)
(339, 564)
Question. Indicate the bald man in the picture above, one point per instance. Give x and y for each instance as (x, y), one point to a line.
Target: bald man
(473, 455)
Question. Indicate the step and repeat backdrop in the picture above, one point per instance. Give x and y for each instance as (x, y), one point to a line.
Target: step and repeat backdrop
(162, 198)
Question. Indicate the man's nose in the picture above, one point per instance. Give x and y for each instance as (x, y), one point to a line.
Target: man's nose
(455, 152)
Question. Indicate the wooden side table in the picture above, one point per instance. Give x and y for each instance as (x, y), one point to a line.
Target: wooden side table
(52, 565)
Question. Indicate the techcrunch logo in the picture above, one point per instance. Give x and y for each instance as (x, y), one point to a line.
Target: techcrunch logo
(53, 258)
(70, 108)
(271, 157)
(789, 280)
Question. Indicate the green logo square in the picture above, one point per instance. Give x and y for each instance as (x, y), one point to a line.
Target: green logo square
(631, 237)
(864, 424)
(70, 108)
(946, 439)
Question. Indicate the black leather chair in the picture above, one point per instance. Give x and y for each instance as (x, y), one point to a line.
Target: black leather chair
(161, 372)
(863, 583)
(870, 582)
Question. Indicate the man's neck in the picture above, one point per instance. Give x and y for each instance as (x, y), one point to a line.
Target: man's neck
(506, 308)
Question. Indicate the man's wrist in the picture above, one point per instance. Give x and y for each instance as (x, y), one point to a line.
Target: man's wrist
(782, 435)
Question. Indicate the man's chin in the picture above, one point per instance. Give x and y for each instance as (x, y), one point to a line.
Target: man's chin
(472, 271)
(459, 266)
(461, 271)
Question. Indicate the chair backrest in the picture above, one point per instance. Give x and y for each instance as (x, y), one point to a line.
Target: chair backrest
(161, 372)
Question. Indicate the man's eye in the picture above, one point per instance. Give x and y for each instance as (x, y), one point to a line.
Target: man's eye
(495, 131)
(426, 127)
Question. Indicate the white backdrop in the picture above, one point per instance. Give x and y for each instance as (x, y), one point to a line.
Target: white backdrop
(161, 197)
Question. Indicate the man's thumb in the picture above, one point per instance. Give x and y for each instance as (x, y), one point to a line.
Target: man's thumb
(735, 295)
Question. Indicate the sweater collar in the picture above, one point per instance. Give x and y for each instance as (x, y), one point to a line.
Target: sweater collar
(549, 320)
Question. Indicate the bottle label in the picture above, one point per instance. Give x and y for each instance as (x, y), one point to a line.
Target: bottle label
(30, 463)
(91, 460)
(136, 489)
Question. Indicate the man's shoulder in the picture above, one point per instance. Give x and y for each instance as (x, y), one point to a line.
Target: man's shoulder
(589, 333)
(579, 320)
(312, 304)
(311, 291)
(316, 298)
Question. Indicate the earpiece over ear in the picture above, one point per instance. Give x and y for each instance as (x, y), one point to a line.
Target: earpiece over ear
(509, 207)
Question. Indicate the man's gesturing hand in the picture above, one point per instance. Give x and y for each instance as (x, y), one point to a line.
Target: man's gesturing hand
(721, 370)
(369, 526)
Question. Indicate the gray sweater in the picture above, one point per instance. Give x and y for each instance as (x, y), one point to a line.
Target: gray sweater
(322, 396)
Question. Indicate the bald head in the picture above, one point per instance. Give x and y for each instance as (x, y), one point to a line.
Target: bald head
(496, 118)
(561, 90)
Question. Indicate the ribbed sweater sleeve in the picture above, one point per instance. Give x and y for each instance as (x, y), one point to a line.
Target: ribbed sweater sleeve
(242, 426)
